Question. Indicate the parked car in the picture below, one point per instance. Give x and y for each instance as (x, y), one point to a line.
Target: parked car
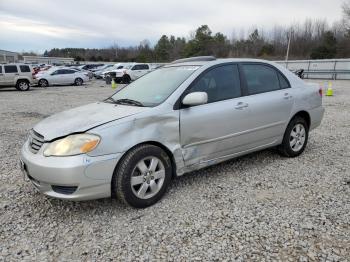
(20, 76)
(89, 73)
(112, 71)
(132, 72)
(61, 76)
(89, 66)
(99, 71)
(176, 119)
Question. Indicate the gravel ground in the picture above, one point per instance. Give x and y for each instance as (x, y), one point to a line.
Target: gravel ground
(257, 207)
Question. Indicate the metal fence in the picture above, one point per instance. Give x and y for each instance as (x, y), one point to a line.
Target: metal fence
(336, 69)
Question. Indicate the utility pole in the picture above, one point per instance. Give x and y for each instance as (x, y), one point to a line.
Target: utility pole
(287, 55)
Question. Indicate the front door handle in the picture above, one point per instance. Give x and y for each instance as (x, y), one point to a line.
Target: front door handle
(241, 105)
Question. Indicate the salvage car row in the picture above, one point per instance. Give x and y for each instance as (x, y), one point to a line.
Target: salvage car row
(22, 76)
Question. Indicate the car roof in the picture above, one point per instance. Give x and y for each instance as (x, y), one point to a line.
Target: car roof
(218, 61)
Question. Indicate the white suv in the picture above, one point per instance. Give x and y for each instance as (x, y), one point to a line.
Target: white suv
(17, 75)
(132, 72)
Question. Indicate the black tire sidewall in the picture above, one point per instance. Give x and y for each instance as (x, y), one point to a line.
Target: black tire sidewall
(121, 183)
(43, 81)
(285, 147)
(78, 80)
(22, 81)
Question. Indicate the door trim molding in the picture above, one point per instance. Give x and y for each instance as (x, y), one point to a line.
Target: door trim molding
(235, 134)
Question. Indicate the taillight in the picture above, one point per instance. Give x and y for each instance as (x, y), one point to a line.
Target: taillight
(320, 91)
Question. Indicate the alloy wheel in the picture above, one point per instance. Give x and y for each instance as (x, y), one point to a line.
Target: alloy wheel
(147, 177)
(297, 137)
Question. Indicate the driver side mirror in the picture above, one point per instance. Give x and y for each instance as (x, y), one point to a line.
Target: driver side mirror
(195, 99)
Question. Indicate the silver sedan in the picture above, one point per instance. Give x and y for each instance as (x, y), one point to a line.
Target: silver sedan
(182, 117)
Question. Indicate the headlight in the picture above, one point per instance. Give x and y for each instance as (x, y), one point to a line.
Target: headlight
(72, 145)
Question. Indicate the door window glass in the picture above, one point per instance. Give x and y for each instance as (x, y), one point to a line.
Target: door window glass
(24, 68)
(220, 83)
(260, 78)
(10, 69)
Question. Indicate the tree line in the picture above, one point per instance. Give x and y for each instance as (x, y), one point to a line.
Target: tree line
(314, 39)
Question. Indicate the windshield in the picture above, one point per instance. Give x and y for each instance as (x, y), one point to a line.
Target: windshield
(154, 88)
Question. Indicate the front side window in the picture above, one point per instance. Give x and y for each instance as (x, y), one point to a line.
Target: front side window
(260, 78)
(10, 69)
(155, 87)
(220, 83)
(24, 68)
(0, 69)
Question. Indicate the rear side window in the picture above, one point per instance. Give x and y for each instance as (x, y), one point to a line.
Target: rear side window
(260, 78)
(68, 71)
(24, 68)
(10, 69)
(220, 83)
(283, 82)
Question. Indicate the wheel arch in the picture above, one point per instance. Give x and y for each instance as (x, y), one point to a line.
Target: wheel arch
(22, 79)
(155, 143)
(305, 115)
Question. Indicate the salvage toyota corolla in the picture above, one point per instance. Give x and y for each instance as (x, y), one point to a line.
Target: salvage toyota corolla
(187, 115)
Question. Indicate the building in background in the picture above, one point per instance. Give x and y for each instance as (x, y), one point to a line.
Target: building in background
(47, 60)
(8, 57)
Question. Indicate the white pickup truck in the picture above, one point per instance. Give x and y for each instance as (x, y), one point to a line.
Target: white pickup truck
(131, 72)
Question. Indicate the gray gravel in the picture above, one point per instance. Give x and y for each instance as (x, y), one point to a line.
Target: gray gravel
(257, 207)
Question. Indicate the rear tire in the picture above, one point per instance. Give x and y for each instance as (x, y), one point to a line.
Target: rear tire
(142, 176)
(295, 138)
(22, 85)
(78, 81)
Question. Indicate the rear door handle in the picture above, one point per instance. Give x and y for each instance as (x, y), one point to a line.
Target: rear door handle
(241, 105)
(287, 96)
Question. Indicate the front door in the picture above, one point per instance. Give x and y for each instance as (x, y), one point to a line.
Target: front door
(215, 129)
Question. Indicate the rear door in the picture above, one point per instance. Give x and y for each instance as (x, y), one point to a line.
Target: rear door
(269, 100)
(215, 129)
(70, 76)
(11, 74)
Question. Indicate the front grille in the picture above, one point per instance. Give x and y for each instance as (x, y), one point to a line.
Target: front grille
(35, 141)
(66, 190)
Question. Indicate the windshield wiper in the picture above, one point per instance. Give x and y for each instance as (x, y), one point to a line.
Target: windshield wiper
(128, 102)
(125, 101)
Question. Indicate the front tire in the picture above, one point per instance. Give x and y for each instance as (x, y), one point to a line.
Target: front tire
(43, 83)
(295, 138)
(126, 79)
(143, 176)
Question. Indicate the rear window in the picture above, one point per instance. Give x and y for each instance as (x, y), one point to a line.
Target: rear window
(24, 68)
(10, 69)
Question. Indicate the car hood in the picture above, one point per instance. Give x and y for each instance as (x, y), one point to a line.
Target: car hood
(83, 118)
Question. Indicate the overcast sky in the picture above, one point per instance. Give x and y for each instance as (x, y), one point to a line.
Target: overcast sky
(44, 24)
